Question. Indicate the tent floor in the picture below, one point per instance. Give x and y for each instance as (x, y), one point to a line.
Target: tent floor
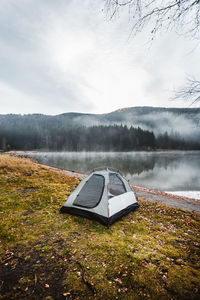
(93, 216)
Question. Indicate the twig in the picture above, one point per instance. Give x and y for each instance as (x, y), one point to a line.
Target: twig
(35, 281)
(11, 257)
(89, 285)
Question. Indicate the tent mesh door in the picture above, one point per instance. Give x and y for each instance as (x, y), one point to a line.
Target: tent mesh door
(116, 186)
(91, 193)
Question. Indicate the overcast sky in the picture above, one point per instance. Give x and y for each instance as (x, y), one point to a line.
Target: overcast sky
(65, 55)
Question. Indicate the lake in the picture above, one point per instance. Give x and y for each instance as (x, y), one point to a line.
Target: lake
(167, 171)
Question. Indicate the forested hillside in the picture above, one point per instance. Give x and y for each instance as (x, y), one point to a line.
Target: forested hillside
(97, 138)
(123, 130)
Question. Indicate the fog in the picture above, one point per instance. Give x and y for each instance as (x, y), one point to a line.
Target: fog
(174, 170)
(186, 125)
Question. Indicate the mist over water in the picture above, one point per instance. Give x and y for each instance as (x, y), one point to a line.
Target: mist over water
(171, 171)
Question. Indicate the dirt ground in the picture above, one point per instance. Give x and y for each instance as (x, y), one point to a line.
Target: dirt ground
(168, 199)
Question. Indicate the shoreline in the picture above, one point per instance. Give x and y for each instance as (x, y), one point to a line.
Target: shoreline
(18, 152)
(142, 193)
(135, 187)
(147, 194)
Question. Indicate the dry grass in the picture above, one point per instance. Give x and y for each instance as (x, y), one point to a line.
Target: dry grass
(16, 164)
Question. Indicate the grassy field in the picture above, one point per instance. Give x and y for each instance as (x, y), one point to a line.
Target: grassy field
(152, 253)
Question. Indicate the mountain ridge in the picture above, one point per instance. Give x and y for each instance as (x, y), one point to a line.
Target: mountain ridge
(182, 121)
(124, 109)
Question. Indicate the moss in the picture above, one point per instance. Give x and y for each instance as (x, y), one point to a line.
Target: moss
(151, 253)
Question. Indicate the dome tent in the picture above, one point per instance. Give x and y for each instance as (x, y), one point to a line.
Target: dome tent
(104, 196)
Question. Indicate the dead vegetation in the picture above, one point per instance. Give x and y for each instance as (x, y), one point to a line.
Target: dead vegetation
(16, 164)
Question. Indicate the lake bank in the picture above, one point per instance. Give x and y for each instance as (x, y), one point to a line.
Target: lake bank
(175, 201)
(164, 171)
(149, 194)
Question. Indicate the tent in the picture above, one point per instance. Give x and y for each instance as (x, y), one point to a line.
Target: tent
(104, 196)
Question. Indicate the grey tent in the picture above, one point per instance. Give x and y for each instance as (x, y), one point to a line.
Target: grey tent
(104, 196)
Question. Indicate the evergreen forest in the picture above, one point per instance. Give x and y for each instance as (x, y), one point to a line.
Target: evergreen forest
(95, 138)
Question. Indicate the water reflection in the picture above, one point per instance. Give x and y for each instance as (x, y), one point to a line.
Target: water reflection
(174, 170)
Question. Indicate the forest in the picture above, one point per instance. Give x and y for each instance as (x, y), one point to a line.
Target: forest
(95, 138)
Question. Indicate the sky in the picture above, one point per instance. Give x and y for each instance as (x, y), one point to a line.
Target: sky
(68, 56)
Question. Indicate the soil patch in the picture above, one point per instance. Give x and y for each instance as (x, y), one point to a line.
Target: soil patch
(35, 270)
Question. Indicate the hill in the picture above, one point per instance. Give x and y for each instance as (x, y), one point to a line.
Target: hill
(151, 253)
(183, 120)
(173, 128)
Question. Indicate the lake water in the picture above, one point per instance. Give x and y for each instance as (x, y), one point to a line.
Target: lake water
(167, 171)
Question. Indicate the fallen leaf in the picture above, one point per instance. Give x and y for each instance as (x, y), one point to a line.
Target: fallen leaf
(122, 232)
(118, 280)
(90, 282)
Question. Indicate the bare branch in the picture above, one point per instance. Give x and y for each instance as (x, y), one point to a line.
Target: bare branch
(183, 15)
(191, 91)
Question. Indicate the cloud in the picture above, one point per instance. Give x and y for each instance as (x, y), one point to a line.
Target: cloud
(65, 56)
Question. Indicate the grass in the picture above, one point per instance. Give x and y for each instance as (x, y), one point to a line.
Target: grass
(152, 253)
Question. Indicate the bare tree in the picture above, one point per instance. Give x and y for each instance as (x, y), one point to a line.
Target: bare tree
(183, 16)
(191, 91)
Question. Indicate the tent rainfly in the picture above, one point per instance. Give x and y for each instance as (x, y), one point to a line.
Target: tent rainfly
(104, 196)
